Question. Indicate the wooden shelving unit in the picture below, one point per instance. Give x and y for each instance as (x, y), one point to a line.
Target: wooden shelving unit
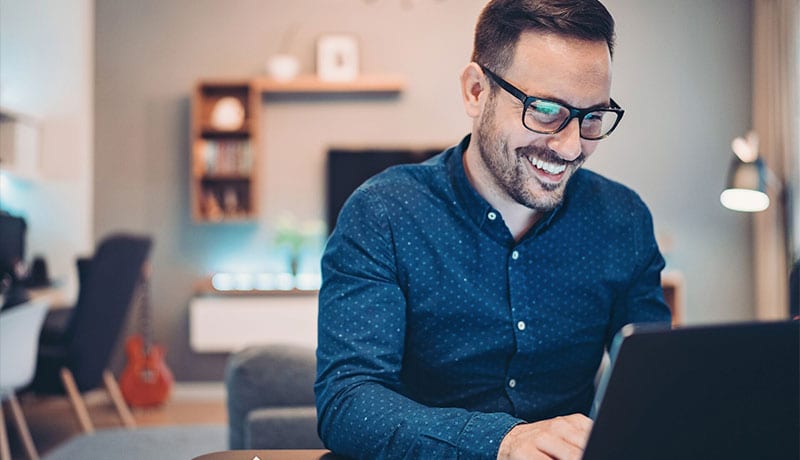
(224, 161)
(311, 84)
(224, 180)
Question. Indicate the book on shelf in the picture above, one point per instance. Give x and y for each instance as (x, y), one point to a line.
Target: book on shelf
(228, 156)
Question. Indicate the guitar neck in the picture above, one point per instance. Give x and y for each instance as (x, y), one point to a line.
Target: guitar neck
(145, 325)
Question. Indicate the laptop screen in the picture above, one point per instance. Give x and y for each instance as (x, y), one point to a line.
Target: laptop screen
(704, 392)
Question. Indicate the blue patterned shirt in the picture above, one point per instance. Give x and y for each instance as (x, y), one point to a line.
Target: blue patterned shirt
(438, 332)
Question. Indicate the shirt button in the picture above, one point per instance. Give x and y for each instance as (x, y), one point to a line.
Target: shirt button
(515, 255)
(512, 383)
(491, 216)
(521, 325)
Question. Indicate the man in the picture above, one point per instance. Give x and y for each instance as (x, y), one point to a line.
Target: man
(466, 302)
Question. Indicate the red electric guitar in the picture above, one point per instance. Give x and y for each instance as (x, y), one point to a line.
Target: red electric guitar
(146, 380)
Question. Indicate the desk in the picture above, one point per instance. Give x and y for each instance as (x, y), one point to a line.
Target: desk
(315, 454)
(56, 296)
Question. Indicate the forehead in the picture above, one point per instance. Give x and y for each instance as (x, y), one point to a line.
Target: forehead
(564, 68)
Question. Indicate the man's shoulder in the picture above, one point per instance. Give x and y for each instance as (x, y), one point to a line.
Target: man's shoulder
(398, 191)
(410, 178)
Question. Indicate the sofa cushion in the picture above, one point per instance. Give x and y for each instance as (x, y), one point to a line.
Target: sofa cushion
(282, 428)
(267, 377)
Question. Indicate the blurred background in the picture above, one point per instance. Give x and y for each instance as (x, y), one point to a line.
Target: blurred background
(109, 84)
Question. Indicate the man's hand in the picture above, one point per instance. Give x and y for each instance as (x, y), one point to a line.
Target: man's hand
(561, 438)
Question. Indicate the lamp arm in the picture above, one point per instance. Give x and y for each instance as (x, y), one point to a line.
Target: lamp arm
(774, 182)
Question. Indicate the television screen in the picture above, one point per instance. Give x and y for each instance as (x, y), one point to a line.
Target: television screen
(349, 168)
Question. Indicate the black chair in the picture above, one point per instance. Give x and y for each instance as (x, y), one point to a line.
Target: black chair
(74, 359)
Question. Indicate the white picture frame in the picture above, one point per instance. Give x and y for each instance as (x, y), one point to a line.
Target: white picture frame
(337, 57)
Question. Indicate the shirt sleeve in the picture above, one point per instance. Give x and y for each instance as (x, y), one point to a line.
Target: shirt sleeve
(643, 300)
(361, 407)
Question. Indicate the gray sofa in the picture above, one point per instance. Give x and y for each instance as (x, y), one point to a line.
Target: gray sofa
(271, 398)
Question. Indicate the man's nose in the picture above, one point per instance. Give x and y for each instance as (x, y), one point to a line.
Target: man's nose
(567, 142)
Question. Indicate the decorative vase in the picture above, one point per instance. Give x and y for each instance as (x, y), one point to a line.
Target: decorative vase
(283, 67)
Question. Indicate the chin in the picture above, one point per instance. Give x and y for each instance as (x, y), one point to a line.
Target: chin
(543, 197)
(546, 203)
(539, 199)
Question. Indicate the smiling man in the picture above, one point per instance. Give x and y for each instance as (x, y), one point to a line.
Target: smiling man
(467, 301)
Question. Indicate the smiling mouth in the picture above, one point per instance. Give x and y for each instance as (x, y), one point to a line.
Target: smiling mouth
(552, 169)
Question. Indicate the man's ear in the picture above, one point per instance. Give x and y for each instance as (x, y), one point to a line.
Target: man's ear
(474, 89)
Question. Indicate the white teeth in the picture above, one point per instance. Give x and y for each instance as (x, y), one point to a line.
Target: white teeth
(547, 167)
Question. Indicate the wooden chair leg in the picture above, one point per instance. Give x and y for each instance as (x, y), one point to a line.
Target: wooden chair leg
(119, 402)
(77, 402)
(22, 427)
(5, 450)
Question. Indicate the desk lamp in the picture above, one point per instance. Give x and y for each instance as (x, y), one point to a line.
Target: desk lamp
(746, 189)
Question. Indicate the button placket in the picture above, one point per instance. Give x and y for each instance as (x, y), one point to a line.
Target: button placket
(518, 324)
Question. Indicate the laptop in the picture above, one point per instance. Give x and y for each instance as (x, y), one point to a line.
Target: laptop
(704, 392)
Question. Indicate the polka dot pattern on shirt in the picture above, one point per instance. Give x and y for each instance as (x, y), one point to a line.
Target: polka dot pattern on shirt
(439, 331)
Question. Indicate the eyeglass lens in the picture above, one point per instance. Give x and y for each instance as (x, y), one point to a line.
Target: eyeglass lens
(549, 117)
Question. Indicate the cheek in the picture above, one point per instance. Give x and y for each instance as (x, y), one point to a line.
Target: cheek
(525, 138)
(506, 128)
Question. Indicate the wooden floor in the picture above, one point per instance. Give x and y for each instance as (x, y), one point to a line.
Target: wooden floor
(52, 421)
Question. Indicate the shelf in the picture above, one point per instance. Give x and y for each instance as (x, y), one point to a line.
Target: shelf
(224, 180)
(311, 84)
(225, 163)
(209, 131)
(224, 177)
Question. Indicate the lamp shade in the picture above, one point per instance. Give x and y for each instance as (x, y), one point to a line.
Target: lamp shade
(746, 189)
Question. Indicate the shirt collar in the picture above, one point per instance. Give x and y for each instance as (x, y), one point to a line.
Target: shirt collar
(476, 207)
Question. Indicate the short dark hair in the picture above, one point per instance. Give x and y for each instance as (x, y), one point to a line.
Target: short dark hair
(502, 22)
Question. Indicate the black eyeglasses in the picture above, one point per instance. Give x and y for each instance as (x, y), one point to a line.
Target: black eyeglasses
(544, 116)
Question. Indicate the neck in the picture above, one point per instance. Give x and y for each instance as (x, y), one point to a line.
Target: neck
(519, 224)
(517, 217)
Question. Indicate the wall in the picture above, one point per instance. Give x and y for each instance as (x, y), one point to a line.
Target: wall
(682, 73)
(46, 71)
